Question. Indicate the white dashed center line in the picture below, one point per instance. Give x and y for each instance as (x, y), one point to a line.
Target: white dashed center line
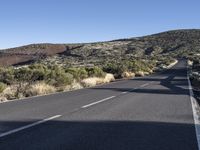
(100, 101)
(124, 92)
(58, 116)
(28, 126)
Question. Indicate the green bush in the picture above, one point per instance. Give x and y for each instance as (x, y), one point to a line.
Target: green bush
(78, 73)
(145, 66)
(39, 72)
(82, 73)
(23, 74)
(115, 68)
(2, 87)
(95, 72)
(58, 77)
(7, 75)
(118, 68)
(64, 79)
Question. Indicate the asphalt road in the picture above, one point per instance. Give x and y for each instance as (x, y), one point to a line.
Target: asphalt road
(147, 113)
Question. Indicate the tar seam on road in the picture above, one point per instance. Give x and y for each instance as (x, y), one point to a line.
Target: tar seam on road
(194, 110)
(29, 126)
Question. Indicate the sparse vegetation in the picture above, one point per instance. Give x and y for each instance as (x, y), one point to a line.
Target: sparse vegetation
(78, 73)
(178, 43)
(62, 67)
(95, 72)
(38, 79)
(129, 67)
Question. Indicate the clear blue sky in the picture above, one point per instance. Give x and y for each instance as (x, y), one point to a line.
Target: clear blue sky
(67, 21)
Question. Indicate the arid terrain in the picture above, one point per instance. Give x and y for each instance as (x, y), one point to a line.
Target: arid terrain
(177, 43)
(39, 69)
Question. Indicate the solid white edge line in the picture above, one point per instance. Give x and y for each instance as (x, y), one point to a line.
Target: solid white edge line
(195, 115)
(28, 126)
(105, 99)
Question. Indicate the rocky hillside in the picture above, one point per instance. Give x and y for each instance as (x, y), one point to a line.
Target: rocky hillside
(177, 43)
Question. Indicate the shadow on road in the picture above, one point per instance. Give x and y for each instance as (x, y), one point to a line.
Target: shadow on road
(174, 82)
(100, 135)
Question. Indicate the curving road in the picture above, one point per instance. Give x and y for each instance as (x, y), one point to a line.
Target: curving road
(147, 113)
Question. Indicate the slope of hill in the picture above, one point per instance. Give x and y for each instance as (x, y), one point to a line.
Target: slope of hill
(177, 43)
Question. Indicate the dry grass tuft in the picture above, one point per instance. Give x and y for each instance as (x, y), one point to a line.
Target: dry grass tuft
(89, 82)
(40, 89)
(140, 74)
(146, 73)
(3, 99)
(76, 86)
(93, 81)
(127, 74)
(10, 92)
(109, 78)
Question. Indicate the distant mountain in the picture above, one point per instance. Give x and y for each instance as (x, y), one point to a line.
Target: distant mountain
(177, 43)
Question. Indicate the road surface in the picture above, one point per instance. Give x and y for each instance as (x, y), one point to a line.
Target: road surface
(146, 113)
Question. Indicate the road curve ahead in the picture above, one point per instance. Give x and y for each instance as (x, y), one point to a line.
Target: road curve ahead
(147, 113)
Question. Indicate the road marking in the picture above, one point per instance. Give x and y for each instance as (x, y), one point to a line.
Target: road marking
(144, 85)
(91, 104)
(195, 106)
(29, 126)
(124, 92)
(57, 116)
(132, 89)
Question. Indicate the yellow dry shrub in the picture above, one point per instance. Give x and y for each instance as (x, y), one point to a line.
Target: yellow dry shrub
(10, 92)
(3, 99)
(40, 89)
(127, 74)
(93, 81)
(150, 71)
(139, 74)
(89, 82)
(75, 86)
(109, 78)
(146, 73)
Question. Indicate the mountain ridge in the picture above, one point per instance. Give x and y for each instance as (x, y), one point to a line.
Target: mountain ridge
(174, 43)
